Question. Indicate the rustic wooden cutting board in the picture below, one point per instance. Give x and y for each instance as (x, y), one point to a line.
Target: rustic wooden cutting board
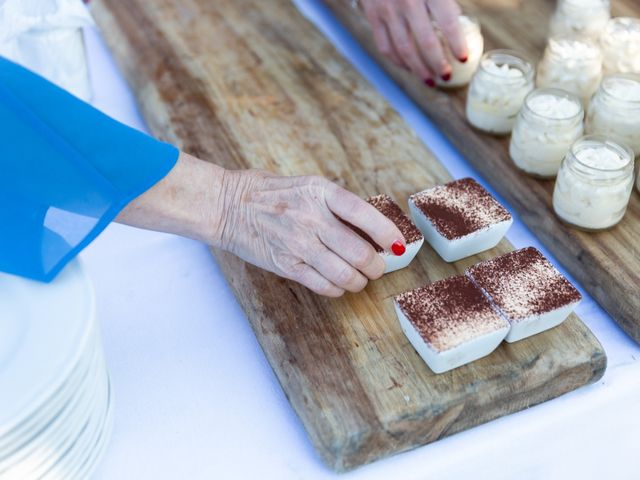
(252, 84)
(607, 264)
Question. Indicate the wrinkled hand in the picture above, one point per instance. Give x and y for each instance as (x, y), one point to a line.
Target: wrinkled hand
(288, 225)
(404, 32)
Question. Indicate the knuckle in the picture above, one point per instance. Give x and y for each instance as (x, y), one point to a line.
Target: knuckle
(438, 63)
(359, 284)
(449, 24)
(314, 254)
(294, 249)
(386, 9)
(318, 180)
(379, 271)
(313, 180)
(257, 171)
(347, 276)
(324, 287)
(296, 272)
(333, 292)
(362, 285)
(321, 186)
(255, 196)
(339, 195)
(363, 258)
(430, 42)
(405, 48)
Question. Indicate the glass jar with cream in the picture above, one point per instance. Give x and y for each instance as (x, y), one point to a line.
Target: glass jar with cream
(586, 18)
(549, 122)
(572, 64)
(615, 110)
(461, 72)
(620, 44)
(497, 91)
(594, 183)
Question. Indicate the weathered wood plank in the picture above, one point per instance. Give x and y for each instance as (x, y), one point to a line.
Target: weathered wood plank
(251, 84)
(607, 263)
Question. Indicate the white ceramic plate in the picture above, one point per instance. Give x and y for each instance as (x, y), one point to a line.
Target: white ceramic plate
(44, 447)
(88, 443)
(84, 428)
(100, 449)
(52, 408)
(45, 329)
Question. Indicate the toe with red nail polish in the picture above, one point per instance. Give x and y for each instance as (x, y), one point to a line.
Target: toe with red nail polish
(446, 77)
(398, 248)
(429, 82)
(463, 59)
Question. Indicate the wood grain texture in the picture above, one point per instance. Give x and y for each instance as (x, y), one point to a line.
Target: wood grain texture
(607, 263)
(252, 84)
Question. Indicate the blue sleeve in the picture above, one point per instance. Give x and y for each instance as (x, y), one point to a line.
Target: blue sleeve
(66, 171)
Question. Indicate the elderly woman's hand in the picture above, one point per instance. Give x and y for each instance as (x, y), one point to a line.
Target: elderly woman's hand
(287, 225)
(290, 226)
(404, 32)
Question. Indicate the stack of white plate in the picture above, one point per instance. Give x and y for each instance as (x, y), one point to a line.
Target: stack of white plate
(55, 400)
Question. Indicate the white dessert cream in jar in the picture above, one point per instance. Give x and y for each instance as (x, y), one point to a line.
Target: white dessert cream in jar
(594, 183)
(573, 64)
(620, 43)
(461, 72)
(586, 18)
(497, 91)
(615, 110)
(549, 122)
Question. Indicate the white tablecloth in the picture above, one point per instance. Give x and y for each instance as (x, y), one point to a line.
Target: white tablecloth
(196, 398)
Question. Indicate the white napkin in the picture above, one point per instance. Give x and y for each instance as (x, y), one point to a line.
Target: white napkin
(46, 37)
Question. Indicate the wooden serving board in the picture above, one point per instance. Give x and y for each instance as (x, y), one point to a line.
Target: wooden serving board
(607, 264)
(247, 83)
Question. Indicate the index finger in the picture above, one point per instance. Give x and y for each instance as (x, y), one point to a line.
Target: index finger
(354, 210)
(428, 42)
(446, 13)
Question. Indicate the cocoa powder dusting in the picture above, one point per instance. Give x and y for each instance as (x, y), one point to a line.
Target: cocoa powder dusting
(449, 312)
(459, 208)
(523, 283)
(390, 209)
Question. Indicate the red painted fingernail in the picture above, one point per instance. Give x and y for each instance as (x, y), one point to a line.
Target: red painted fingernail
(463, 59)
(398, 248)
(446, 77)
(430, 82)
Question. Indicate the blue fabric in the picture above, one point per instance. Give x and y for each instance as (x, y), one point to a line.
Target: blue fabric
(66, 171)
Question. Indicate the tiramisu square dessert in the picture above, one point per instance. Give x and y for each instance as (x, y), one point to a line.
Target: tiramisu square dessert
(450, 323)
(460, 218)
(412, 235)
(527, 290)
